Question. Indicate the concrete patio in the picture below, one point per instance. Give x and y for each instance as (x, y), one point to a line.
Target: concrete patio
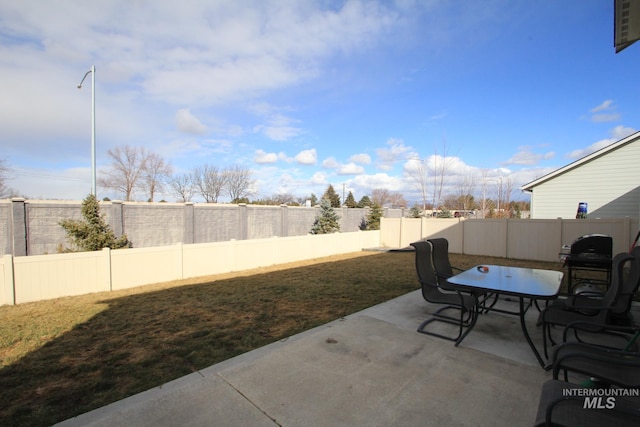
(369, 369)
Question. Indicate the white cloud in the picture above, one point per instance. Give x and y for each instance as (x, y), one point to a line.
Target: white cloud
(620, 132)
(318, 178)
(262, 157)
(605, 112)
(606, 105)
(283, 156)
(350, 169)
(527, 157)
(280, 133)
(604, 118)
(396, 151)
(362, 158)
(330, 163)
(278, 127)
(188, 123)
(363, 184)
(617, 133)
(307, 157)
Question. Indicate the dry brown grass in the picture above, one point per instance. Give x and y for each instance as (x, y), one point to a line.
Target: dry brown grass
(67, 356)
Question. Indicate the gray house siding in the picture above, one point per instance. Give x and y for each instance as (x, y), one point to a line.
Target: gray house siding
(608, 180)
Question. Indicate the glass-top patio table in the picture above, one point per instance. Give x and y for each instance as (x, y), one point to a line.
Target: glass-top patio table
(523, 283)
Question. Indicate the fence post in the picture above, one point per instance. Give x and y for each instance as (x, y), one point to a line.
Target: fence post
(106, 252)
(9, 281)
(19, 227)
(116, 218)
(284, 221)
(244, 221)
(189, 223)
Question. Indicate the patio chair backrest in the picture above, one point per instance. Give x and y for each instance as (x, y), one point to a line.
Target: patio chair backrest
(615, 287)
(441, 257)
(426, 273)
(630, 285)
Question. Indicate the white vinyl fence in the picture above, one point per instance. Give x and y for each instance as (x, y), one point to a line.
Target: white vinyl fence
(531, 239)
(34, 278)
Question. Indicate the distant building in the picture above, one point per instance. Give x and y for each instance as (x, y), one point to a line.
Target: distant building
(608, 180)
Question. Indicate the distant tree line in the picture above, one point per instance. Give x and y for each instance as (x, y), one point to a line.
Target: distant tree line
(137, 171)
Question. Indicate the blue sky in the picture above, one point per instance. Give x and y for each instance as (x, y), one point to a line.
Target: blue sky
(311, 93)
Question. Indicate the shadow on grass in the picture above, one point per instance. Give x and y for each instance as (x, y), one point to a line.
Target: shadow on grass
(144, 340)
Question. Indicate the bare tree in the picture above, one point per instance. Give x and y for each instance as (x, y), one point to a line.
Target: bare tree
(506, 187)
(210, 182)
(419, 175)
(440, 168)
(125, 170)
(380, 196)
(183, 185)
(485, 175)
(155, 173)
(5, 170)
(238, 182)
(397, 200)
(465, 190)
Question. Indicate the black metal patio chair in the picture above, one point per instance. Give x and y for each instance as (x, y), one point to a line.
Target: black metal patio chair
(598, 311)
(463, 303)
(621, 308)
(565, 404)
(608, 372)
(445, 270)
(608, 366)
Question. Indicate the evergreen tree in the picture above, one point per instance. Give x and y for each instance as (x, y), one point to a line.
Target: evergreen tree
(327, 221)
(332, 196)
(92, 233)
(314, 199)
(445, 213)
(373, 218)
(350, 201)
(365, 202)
(415, 211)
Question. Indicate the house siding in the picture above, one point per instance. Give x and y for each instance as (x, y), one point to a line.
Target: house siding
(609, 183)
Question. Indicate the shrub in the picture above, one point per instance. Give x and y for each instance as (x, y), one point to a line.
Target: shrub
(91, 233)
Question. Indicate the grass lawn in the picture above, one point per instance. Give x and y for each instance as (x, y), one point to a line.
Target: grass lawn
(64, 357)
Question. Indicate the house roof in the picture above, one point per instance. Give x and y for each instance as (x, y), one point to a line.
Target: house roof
(624, 141)
(626, 23)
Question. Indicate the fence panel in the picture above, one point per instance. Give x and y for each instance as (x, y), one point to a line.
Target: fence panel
(534, 239)
(205, 259)
(6, 280)
(52, 276)
(143, 266)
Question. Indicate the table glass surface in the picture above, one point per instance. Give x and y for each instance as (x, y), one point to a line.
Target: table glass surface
(527, 282)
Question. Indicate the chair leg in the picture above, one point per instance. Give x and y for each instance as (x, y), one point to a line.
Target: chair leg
(461, 322)
(474, 318)
(450, 319)
(544, 340)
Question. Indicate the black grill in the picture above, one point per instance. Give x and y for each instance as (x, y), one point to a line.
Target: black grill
(592, 245)
(592, 252)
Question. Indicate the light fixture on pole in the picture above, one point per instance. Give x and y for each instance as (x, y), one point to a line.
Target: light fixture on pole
(92, 71)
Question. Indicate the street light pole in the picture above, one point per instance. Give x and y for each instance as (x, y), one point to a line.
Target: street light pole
(92, 71)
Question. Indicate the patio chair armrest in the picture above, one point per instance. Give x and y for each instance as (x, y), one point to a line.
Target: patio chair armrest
(598, 327)
(568, 352)
(571, 408)
(623, 332)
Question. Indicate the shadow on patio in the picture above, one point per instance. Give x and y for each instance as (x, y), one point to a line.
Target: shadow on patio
(370, 368)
